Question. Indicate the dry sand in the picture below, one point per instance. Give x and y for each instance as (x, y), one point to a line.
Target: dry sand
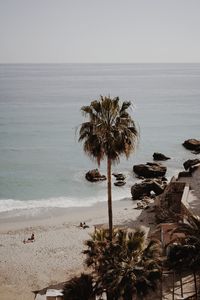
(55, 255)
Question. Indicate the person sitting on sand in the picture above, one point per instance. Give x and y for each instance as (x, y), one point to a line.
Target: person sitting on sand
(30, 240)
(85, 226)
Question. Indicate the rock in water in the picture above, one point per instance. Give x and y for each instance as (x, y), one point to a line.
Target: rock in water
(139, 190)
(150, 170)
(119, 176)
(120, 183)
(190, 162)
(192, 144)
(94, 175)
(160, 156)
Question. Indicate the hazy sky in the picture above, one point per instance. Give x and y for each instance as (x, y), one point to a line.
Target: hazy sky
(38, 31)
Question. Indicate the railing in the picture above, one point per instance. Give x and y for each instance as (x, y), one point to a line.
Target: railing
(186, 209)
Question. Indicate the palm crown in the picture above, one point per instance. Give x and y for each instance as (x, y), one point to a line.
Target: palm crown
(110, 130)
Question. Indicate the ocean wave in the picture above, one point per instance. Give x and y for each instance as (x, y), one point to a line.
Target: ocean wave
(56, 202)
(60, 202)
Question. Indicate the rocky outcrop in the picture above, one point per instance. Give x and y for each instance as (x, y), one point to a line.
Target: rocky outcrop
(150, 170)
(191, 162)
(192, 144)
(140, 190)
(160, 156)
(94, 175)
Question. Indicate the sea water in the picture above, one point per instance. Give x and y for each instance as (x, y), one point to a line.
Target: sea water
(41, 162)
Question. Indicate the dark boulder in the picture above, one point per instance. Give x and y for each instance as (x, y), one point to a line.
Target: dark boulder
(120, 183)
(192, 144)
(160, 156)
(194, 168)
(150, 170)
(140, 190)
(94, 175)
(119, 176)
(190, 162)
(184, 174)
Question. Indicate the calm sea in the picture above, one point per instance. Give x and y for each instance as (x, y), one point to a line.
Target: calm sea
(41, 162)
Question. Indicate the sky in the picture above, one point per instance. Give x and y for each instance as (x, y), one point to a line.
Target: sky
(99, 31)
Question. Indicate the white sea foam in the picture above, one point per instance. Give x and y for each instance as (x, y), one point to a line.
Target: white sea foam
(11, 204)
(58, 202)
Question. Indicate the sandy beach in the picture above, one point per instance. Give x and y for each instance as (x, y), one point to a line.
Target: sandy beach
(55, 255)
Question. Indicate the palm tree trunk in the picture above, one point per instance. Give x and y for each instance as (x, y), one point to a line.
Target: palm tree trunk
(195, 283)
(109, 198)
(109, 296)
(181, 283)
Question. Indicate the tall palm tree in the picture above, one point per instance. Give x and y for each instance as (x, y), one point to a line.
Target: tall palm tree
(109, 132)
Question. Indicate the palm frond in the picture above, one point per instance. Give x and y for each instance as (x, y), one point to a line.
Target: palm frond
(79, 288)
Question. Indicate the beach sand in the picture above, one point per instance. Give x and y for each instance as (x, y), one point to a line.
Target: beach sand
(56, 254)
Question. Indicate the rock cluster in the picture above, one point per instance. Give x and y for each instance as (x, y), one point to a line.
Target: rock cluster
(120, 179)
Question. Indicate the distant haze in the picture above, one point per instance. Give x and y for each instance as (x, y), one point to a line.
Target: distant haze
(67, 31)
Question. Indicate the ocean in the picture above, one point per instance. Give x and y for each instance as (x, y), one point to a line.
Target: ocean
(42, 164)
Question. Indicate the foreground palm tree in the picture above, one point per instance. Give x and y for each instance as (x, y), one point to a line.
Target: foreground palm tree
(126, 266)
(79, 288)
(109, 132)
(185, 254)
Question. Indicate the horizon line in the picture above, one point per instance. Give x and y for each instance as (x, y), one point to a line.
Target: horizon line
(39, 63)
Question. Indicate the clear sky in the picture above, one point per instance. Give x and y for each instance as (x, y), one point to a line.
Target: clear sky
(57, 31)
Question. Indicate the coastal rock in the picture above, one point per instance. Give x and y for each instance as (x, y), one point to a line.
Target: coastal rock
(120, 183)
(160, 156)
(190, 162)
(164, 179)
(150, 170)
(140, 190)
(184, 174)
(192, 144)
(94, 175)
(194, 168)
(119, 176)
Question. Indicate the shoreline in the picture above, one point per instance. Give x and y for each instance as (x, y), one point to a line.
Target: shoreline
(56, 255)
(25, 218)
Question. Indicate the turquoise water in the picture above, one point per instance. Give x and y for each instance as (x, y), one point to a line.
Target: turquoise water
(41, 162)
